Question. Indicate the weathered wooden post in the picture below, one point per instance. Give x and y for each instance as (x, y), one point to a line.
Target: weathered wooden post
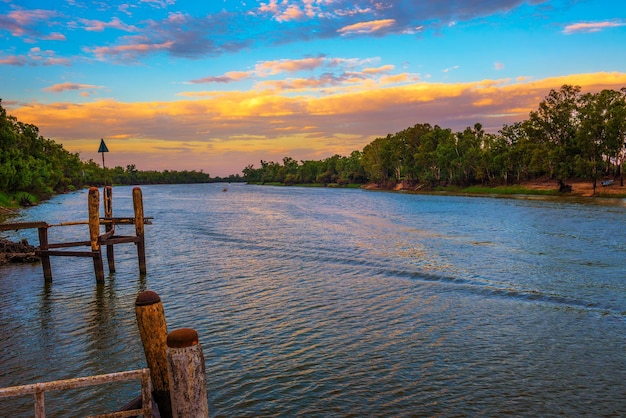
(187, 375)
(45, 258)
(139, 229)
(153, 332)
(108, 213)
(94, 232)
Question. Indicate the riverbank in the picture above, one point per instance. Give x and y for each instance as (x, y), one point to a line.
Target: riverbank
(581, 188)
(17, 252)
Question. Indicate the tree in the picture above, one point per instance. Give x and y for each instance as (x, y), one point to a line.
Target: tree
(556, 123)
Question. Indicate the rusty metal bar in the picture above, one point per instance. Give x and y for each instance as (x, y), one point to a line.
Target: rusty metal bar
(38, 389)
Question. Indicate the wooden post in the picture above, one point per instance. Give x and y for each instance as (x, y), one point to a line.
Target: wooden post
(139, 229)
(186, 371)
(94, 232)
(153, 332)
(108, 213)
(45, 258)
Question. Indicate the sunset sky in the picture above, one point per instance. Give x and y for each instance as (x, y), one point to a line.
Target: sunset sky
(217, 85)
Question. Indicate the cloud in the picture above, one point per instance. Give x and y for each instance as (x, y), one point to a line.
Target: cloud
(61, 87)
(35, 57)
(286, 11)
(184, 35)
(348, 74)
(27, 24)
(591, 27)
(383, 69)
(259, 124)
(266, 68)
(99, 26)
(159, 3)
(447, 70)
(367, 27)
(498, 66)
(130, 52)
(229, 77)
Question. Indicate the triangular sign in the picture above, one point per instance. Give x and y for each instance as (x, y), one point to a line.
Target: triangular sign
(103, 146)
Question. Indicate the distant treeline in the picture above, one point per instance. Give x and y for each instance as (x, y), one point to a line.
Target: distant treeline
(570, 135)
(34, 168)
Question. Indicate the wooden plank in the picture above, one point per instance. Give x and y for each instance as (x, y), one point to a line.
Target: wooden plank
(70, 244)
(61, 253)
(119, 240)
(22, 225)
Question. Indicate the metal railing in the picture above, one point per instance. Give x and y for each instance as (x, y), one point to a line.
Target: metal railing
(38, 389)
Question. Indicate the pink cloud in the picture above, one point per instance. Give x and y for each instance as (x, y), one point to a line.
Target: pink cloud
(20, 22)
(129, 52)
(591, 27)
(99, 26)
(35, 57)
(61, 87)
(14, 60)
(229, 77)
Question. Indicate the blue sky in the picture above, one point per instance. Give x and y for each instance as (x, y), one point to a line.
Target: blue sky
(218, 85)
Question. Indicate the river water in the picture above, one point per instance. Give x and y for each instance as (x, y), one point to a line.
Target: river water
(338, 302)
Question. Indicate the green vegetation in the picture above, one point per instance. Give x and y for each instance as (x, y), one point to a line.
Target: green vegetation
(33, 168)
(506, 190)
(570, 135)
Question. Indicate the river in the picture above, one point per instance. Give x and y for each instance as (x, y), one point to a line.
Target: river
(338, 302)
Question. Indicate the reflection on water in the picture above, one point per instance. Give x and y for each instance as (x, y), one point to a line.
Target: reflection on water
(325, 302)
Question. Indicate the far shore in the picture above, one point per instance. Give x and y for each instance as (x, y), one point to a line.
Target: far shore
(579, 188)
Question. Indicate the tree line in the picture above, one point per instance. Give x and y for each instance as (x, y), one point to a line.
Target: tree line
(33, 168)
(571, 135)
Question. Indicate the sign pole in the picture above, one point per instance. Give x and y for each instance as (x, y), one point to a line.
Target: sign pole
(103, 148)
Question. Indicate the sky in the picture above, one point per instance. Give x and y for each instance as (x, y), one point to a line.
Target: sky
(218, 85)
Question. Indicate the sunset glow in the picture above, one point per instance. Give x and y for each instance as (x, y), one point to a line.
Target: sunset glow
(216, 86)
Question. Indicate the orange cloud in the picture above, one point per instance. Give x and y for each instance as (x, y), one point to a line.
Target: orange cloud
(288, 66)
(382, 69)
(367, 27)
(223, 131)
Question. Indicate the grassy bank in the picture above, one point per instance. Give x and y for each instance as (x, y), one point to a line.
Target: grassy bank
(336, 185)
(508, 190)
(15, 200)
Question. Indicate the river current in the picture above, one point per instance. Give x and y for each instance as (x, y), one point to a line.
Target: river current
(337, 302)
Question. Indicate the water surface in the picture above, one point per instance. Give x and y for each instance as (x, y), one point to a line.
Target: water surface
(326, 302)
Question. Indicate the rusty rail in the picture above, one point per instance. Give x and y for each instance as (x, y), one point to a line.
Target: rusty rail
(38, 389)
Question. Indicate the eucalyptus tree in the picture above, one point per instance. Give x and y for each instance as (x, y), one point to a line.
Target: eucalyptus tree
(377, 159)
(555, 124)
(602, 131)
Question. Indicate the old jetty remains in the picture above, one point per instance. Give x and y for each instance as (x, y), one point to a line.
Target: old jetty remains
(172, 386)
(108, 239)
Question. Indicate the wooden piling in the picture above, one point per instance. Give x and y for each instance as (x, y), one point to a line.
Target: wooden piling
(187, 375)
(153, 332)
(139, 229)
(108, 227)
(94, 232)
(45, 258)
